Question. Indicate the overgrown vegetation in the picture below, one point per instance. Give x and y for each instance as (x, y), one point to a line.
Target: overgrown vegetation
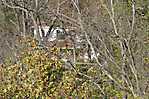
(37, 75)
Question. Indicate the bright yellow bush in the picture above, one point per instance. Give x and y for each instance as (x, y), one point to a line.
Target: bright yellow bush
(38, 75)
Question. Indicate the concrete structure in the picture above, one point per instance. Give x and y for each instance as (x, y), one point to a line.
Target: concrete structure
(52, 34)
(60, 38)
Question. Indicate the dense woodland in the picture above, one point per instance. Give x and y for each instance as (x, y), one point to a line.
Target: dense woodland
(102, 51)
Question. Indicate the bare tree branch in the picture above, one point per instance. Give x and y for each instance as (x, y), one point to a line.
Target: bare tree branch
(92, 48)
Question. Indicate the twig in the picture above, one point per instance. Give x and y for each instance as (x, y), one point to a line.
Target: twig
(88, 77)
(16, 7)
(133, 20)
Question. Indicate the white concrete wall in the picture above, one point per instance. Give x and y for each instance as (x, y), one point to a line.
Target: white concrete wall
(53, 34)
(45, 28)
